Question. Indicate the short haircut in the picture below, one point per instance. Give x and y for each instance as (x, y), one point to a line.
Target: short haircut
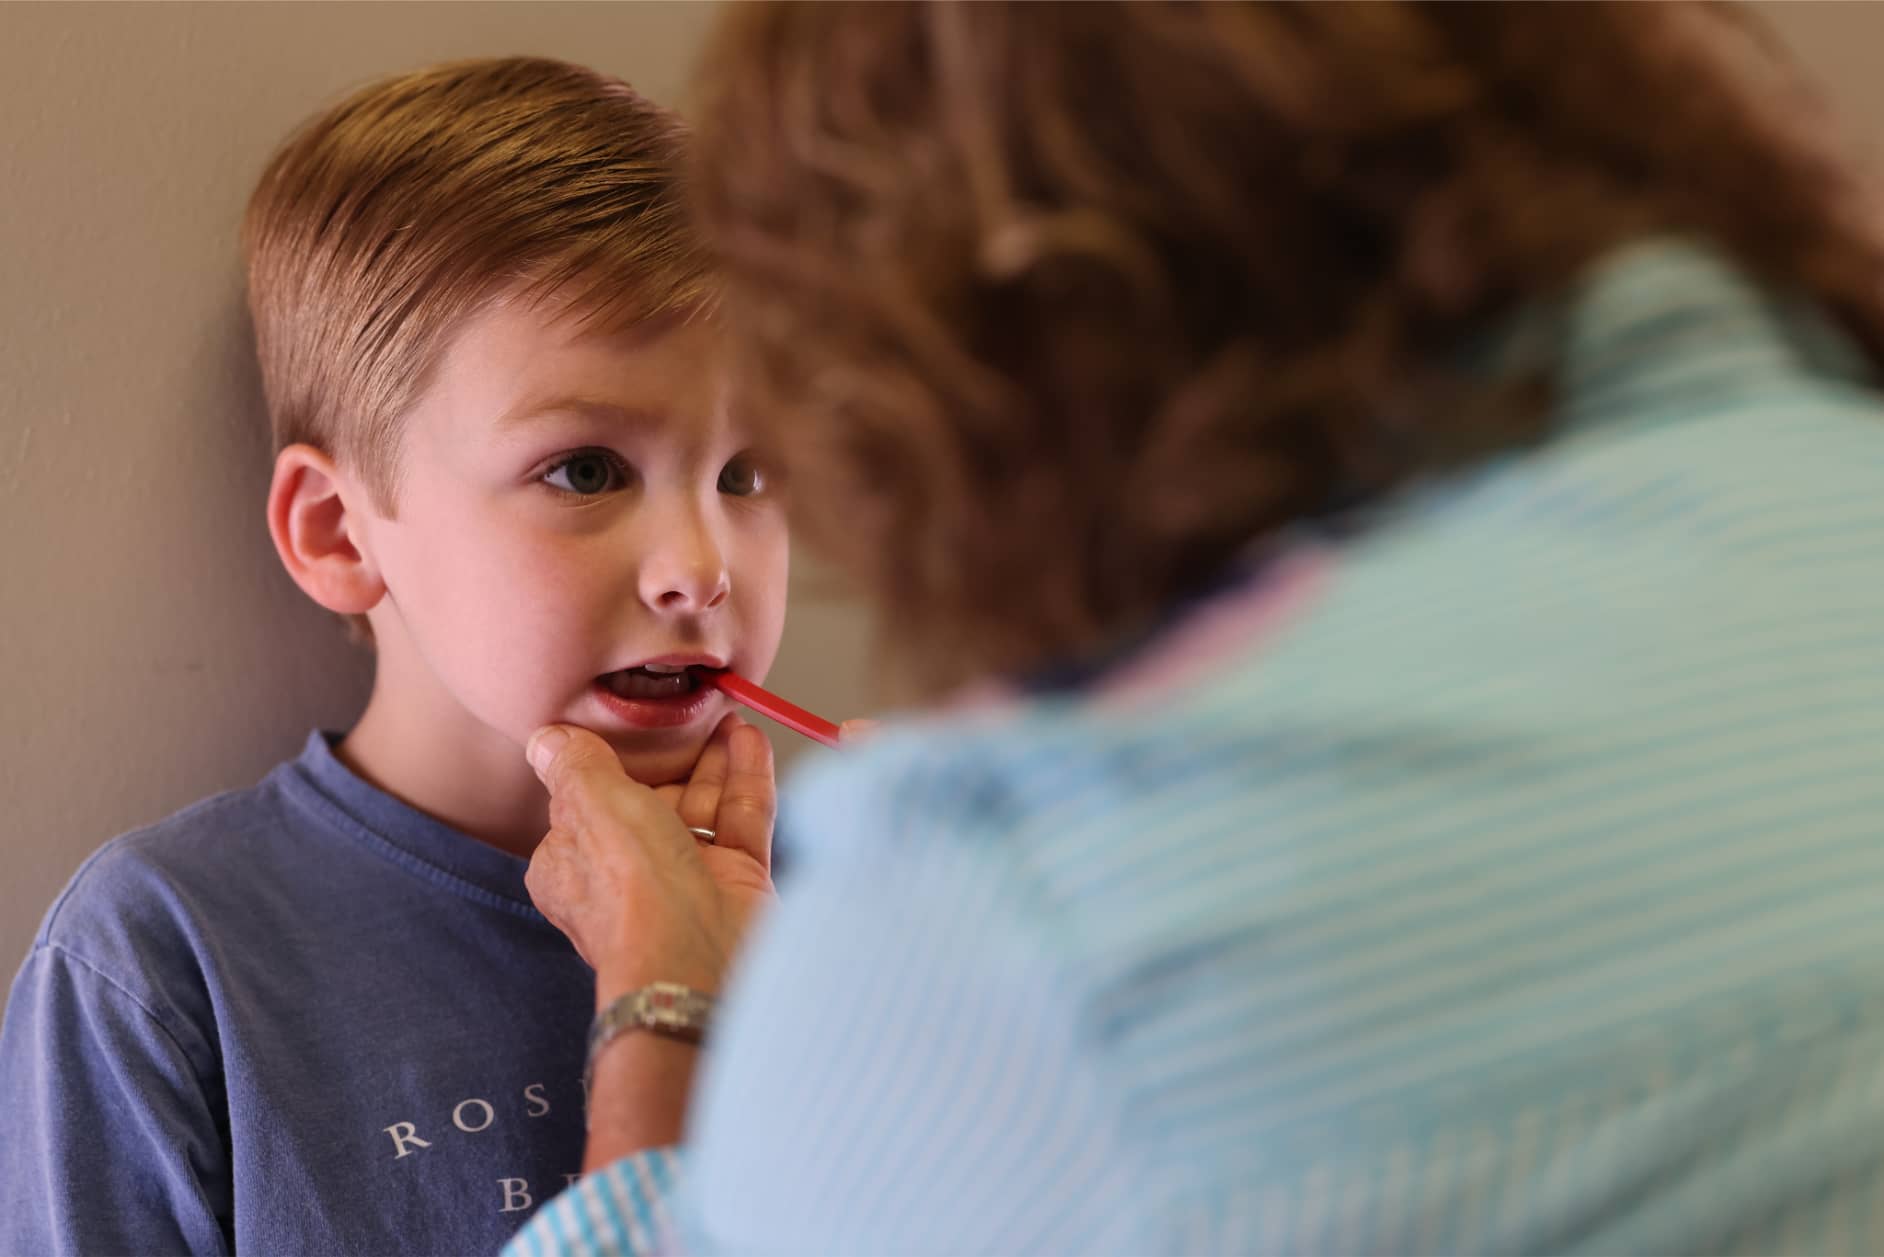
(388, 219)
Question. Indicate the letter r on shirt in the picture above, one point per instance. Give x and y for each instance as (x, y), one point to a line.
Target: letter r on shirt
(404, 1133)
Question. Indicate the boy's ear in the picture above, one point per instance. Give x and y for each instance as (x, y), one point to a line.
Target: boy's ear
(315, 532)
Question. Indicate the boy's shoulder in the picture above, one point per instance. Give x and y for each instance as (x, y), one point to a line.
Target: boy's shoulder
(153, 914)
(203, 843)
(151, 901)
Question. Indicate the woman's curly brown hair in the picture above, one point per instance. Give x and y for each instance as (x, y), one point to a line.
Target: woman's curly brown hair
(1061, 306)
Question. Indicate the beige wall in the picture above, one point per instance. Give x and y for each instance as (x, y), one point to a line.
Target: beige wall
(151, 651)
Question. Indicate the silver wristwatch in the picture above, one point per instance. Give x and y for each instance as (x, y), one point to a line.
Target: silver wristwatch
(667, 1008)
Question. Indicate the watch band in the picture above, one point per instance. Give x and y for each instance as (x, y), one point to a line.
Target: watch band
(668, 1009)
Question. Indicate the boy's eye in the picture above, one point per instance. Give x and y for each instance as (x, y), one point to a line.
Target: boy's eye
(741, 478)
(586, 474)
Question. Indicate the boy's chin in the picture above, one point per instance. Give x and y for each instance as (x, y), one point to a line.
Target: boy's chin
(662, 767)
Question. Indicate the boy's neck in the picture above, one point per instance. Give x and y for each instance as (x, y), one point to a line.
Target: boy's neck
(454, 770)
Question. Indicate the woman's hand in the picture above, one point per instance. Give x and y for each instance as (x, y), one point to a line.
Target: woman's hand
(643, 899)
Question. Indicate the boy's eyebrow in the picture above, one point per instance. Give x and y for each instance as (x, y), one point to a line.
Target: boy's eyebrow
(535, 408)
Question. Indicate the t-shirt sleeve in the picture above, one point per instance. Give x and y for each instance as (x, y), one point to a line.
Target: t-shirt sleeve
(108, 1143)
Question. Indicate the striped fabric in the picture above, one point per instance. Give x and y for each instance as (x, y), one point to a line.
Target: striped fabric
(623, 1210)
(1511, 881)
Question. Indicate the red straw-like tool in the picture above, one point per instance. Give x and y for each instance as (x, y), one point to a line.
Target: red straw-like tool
(766, 703)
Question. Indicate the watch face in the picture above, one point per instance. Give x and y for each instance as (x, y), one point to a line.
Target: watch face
(666, 1009)
(673, 1010)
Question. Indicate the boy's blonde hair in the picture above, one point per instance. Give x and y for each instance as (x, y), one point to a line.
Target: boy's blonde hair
(386, 220)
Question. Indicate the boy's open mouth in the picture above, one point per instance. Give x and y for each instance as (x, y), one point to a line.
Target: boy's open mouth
(653, 681)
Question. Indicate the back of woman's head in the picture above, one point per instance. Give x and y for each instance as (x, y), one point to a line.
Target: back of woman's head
(1061, 306)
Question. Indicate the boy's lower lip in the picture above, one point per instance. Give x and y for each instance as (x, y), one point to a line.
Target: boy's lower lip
(657, 713)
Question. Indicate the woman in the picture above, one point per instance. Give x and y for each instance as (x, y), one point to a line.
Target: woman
(1386, 499)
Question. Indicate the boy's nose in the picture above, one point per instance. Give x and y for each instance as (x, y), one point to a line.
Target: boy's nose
(684, 570)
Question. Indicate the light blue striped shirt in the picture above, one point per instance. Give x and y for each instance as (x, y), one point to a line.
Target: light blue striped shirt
(1511, 880)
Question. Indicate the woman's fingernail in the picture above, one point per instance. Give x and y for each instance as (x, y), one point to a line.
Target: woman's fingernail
(543, 746)
(857, 730)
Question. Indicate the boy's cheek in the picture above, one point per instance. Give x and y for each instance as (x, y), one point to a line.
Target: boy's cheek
(768, 582)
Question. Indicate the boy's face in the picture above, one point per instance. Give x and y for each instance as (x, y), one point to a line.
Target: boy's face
(572, 506)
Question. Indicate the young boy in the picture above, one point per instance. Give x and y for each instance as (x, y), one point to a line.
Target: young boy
(321, 1015)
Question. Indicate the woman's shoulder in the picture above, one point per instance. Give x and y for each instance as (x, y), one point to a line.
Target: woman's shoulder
(965, 769)
(1049, 795)
(973, 773)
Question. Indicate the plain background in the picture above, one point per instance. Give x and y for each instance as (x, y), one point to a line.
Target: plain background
(154, 652)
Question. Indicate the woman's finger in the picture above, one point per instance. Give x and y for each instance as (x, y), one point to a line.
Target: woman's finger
(700, 799)
(857, 729)
(553, 881)
(591, 795)
(749, 798)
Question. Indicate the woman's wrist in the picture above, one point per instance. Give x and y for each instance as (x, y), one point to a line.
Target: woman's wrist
(638, 1096)
(630, 962)
(614, 980)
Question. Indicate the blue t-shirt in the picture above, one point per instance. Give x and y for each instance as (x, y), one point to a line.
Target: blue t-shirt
(300, 1018)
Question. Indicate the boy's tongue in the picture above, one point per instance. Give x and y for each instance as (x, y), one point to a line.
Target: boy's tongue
(643, 683)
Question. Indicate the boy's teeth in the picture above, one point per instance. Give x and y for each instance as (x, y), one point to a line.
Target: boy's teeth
(664, 668)
(637, 683)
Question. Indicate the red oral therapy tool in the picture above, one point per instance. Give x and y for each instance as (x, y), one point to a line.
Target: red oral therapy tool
(768, 704)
